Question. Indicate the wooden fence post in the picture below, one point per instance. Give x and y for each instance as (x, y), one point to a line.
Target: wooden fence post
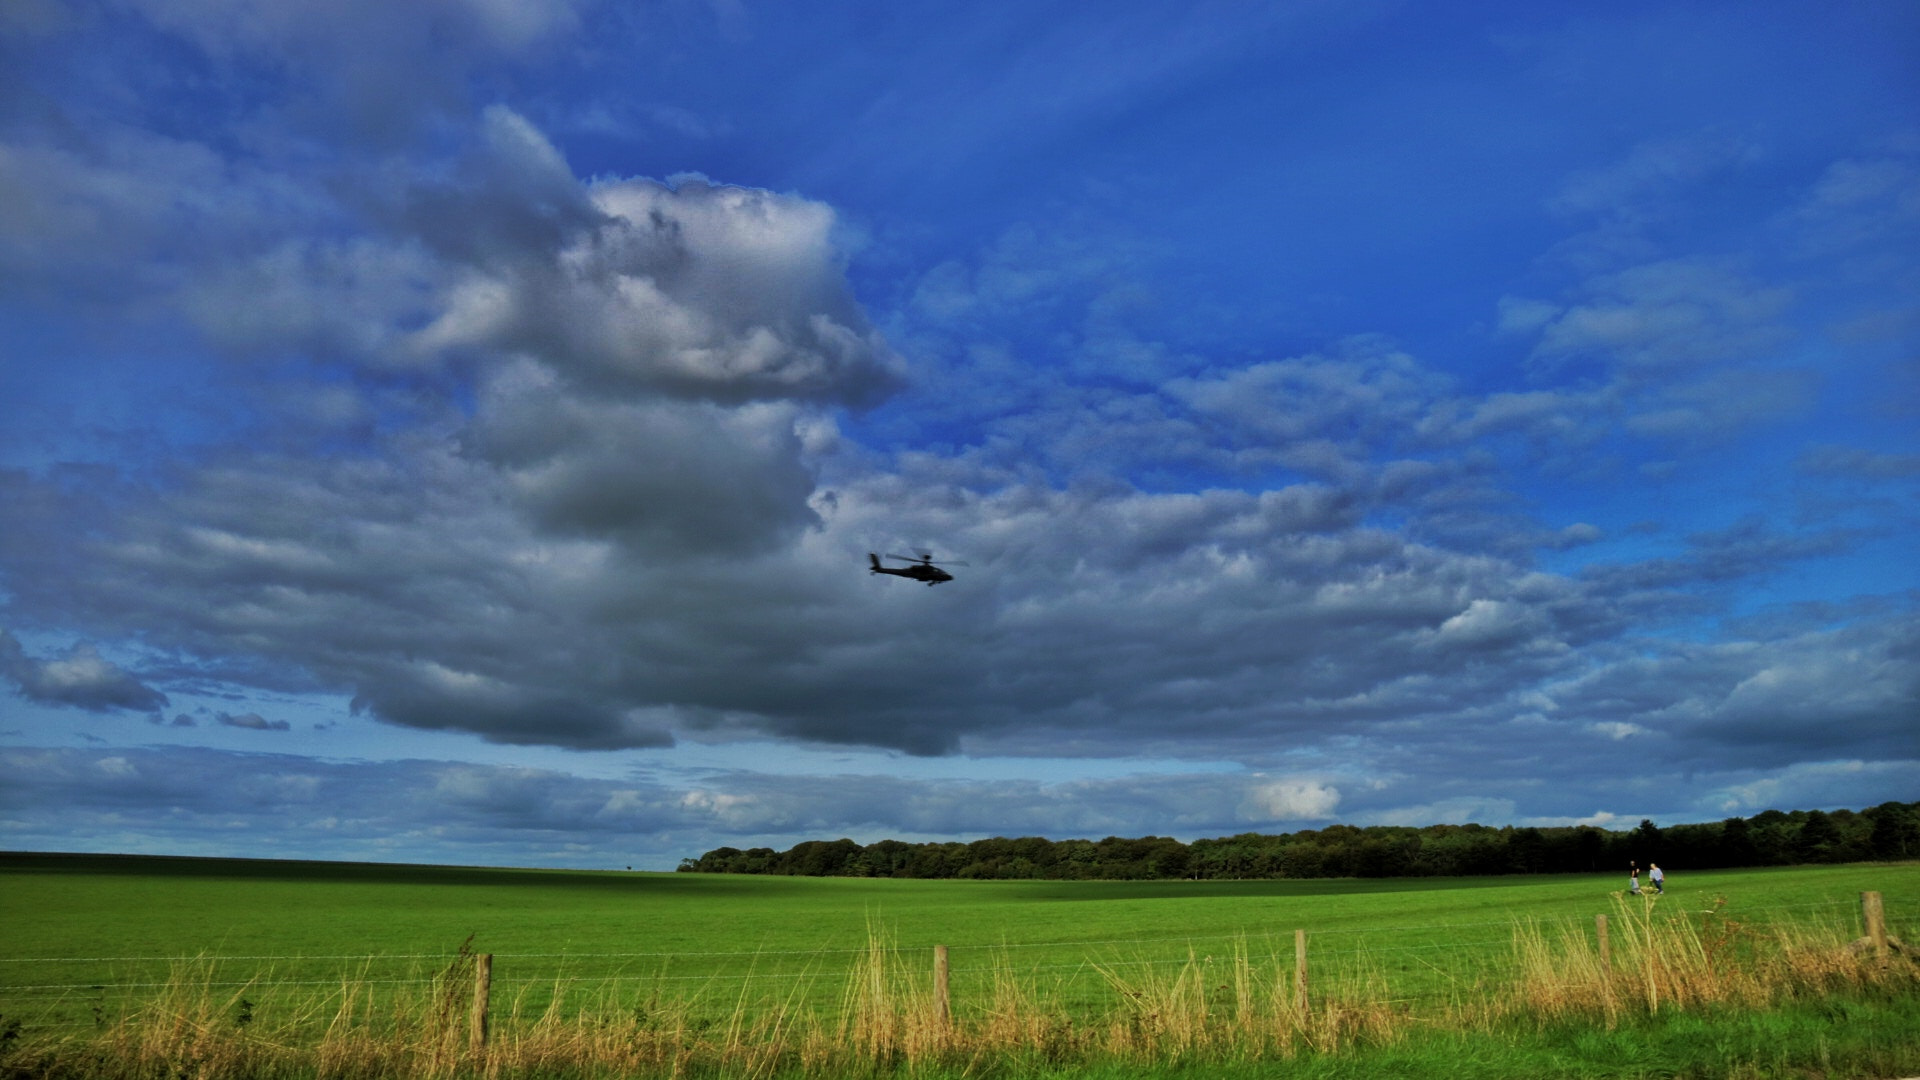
(1874, 915)
(482, 991)
(1606, 952)
(1300, 970)
(942, 1011)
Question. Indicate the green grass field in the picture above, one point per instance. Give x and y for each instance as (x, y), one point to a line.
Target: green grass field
(92, 939)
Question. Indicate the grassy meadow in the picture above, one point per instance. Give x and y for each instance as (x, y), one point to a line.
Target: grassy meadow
(121, 966)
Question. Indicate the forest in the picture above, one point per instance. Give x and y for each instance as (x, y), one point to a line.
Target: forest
(1772, 838)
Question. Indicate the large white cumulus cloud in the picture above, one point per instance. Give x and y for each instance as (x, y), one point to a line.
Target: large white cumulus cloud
(536, 397)
(636, 286)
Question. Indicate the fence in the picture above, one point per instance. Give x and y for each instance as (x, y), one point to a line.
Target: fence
(1402, 966)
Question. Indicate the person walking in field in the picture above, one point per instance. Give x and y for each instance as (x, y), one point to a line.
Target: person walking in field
(1658, 878)
(1633, 879)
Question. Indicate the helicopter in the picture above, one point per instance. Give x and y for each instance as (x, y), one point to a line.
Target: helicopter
(921, 569)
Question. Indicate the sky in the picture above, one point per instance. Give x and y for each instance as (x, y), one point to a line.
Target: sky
(455, 431)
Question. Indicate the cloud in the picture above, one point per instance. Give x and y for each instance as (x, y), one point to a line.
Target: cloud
(1293, 800)
(81, 679)
(1668, 315)
(1463, 809)
(445, 589)
(1652, 172)
(1491, 624)
(230, 26)
(1750, 548)
(89, 220)
(1347, 407)
(690, 289)
(1862, 204)
(251, 721)
(559, 393)
(373, 70)
(1754, 703)
(379, 808)
(1842, 783)
(432, 695)
(1685, 355)
(657, 476)
(187, 800)
(1845, 461)
(1576, 535)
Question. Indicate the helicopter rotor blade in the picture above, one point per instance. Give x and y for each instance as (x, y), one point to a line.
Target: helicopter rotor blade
(927, 559)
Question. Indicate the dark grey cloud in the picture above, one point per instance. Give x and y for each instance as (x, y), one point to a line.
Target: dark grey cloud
(684, 477)
(644, 364)
(494, 583)
(428, 694)
(251, 721)
(82, 678)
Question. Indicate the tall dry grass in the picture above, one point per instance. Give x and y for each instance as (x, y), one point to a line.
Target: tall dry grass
(1665, 960)
(1241, 1007)
(886, 1020)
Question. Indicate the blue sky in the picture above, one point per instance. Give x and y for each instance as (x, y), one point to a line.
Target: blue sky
(454, 432)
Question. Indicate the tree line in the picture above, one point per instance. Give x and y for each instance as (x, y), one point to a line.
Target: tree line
(1771, 838)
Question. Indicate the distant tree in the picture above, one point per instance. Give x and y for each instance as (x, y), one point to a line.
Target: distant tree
(1588, 849)
(1647, 842)
(1888, 831)
(1695, 846)
(820, 858)
(1736, 843)
(1037, 854)
(1077, 860)
(989, 858)
(886, 858)
(1895, 832)
(1168, 860)
(1387, 853)
(1772, 833)
(1526, 851)
(1122, 859)
(938, 860)
(1301, 859)
(721, 860)
(1818, 841)
(1854, 836)
(1206, 858)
